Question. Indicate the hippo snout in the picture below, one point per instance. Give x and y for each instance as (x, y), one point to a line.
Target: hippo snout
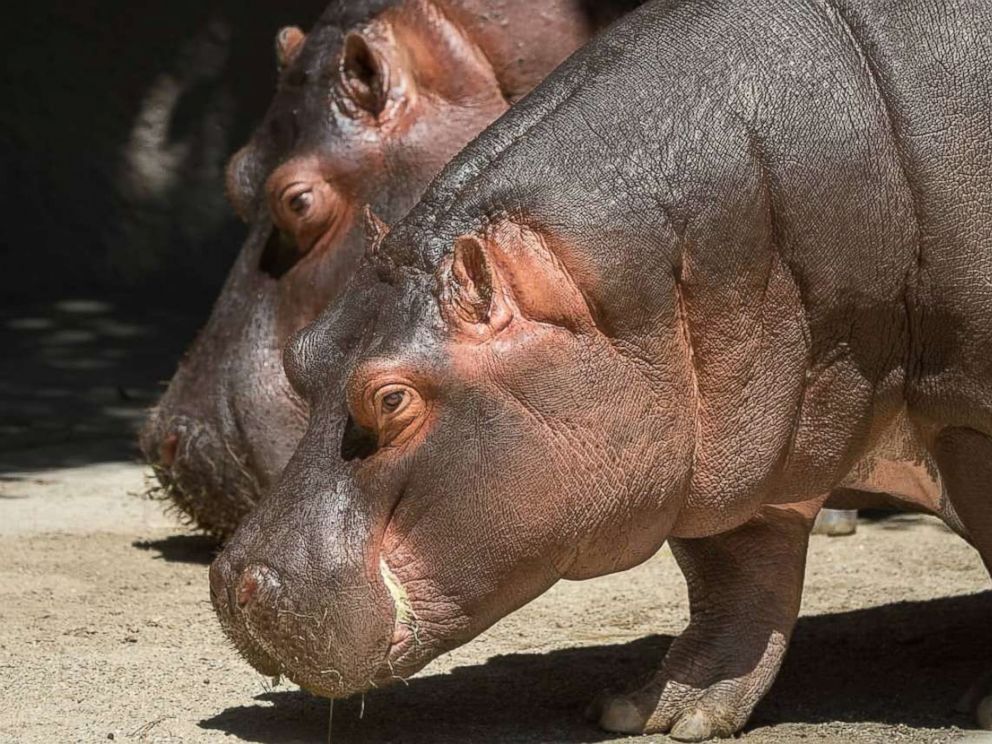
(172, 443)
(246, 602)
(256, 582)
(302, 595)
(252, 587)
(193, 465)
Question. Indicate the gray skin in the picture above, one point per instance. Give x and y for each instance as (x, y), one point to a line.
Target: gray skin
(761, 278)
(370, 106)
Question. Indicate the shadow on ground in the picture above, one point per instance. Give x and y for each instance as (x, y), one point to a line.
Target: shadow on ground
(77, 375)
(199, 549)
(904, 663)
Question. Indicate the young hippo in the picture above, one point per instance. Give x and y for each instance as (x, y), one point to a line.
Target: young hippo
(729, 258)
(371, 104)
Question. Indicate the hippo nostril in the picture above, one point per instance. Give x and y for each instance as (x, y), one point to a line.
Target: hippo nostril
(247, 589)
(254, 579)
(167, 450)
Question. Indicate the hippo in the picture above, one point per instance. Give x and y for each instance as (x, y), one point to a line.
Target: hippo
(370, 105)
(726, 260)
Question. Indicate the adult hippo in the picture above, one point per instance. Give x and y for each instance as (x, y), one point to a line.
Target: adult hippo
(370, 105)
(730, 258)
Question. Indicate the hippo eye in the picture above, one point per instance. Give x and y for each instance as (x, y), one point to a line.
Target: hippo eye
(397, 411)
(392, 401)
(301, 203)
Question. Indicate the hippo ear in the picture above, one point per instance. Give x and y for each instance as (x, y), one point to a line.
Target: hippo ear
(473, 280)
(512, 271)
(364, 73)
(289, 40)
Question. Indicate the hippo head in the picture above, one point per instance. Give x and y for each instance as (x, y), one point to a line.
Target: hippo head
(368, 109)
(475, 436)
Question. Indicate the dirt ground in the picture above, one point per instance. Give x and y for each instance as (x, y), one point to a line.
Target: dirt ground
(106, 631)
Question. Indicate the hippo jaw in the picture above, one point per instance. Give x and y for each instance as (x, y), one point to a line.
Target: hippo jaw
(403, 657)
(404, 636)
(424, 627)
(191, 464)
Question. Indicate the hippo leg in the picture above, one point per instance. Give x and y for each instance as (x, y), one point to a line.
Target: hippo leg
(964, 457)
(745, 587)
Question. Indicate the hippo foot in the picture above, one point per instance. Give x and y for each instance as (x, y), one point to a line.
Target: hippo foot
(674, 703)
(978, 700)
(726, 659)
(836, 522)
(710, 681)
(685, 714)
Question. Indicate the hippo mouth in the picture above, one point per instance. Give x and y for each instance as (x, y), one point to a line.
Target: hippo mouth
(419, 637)
(406, 641)
(302, 645)
(203, 481)
(329, 653)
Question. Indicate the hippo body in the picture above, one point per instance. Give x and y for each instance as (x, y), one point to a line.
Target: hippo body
(370, 105)
(763, 278)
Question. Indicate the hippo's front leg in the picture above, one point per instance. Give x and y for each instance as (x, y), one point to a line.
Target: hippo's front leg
(745, 588)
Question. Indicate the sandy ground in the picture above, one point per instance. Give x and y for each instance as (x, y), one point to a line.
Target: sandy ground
(106, 632)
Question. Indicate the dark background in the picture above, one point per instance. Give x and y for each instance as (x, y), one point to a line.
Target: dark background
(116, 120)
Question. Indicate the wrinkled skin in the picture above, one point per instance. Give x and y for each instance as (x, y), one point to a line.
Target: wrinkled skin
(600, 331)
(371, 104)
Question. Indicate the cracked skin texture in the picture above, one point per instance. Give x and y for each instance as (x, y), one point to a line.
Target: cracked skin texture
(370, 105)
(600, 331)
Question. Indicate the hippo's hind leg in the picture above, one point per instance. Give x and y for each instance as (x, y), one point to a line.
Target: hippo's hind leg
(964, 457)
(745, 588)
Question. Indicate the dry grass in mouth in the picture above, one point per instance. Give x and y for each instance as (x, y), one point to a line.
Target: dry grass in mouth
(176, 502)
(182, 503)
(153, 489)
